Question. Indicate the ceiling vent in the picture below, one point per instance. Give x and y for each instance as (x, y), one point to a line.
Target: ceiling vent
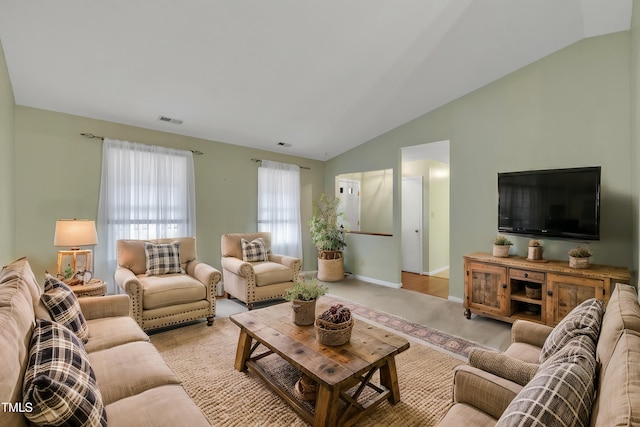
(284, 144)
(170, 120)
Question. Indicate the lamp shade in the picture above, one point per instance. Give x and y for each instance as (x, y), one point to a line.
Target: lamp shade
(75, 232)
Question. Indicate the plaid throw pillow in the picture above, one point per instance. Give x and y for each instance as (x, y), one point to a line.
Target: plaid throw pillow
(163, 258)
(254, 251)
(64, 307)
(59, 384)
(560, 394)
(585, 319)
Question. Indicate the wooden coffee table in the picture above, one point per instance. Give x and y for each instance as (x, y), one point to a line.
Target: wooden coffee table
(342, 373)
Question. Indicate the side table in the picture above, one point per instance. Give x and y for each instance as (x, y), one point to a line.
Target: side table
(93, 288)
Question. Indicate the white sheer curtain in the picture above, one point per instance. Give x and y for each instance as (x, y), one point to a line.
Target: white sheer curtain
(146, 192)
(279, 206)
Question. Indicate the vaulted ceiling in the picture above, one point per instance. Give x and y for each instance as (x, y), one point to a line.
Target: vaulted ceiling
(321, 75)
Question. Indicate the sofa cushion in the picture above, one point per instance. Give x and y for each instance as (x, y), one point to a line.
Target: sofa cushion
(170, 289)
(254, 251)
(584, 319)
(59, 383)
(64, 307)
(618, 399)
(500, 364)
(560, 394)
(623, 312)
(101, 334)
(230, 245)
(162, 258)
(269, 273)
(129, 369)
(167, 405)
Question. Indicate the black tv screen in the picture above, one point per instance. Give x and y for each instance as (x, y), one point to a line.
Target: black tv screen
(556, 203)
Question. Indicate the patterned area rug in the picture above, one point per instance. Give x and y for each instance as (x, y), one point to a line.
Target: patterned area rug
(429, 336)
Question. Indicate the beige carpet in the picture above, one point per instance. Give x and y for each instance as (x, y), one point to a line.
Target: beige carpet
(203, 358)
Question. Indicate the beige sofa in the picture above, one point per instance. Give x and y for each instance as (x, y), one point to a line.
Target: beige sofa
(496, 389)
(168, 299)
(251, 282)
(136, 385)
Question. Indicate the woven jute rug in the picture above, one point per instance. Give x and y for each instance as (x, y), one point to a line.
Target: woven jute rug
(203, 359)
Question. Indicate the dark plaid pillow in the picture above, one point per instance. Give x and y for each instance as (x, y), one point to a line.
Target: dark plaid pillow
(59, 384)
(64, 307)
(254, 251)
(585, 319)
(163, 258)
(560, 394)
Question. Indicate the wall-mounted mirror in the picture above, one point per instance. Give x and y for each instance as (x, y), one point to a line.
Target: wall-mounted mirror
(366, 198)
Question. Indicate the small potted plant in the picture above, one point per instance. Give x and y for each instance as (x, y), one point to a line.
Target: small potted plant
(501, 246)
(303, 296)
(535, 250)
(580, 257)
(334, 326)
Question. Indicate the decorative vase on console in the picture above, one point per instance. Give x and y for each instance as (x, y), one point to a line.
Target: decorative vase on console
(535, 250)
(501, 247)
(580, 257)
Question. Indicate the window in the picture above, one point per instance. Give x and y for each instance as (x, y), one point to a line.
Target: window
(279, 206)
(146, 192)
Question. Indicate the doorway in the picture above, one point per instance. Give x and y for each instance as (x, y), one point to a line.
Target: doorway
(430, 163)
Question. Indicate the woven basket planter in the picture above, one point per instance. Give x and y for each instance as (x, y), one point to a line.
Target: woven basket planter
(303, 313)
(501, 251)
(333, 334)
(330, 266)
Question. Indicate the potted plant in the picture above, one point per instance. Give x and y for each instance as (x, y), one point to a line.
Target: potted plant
(501, 246)
(303, 296)
(580, 257)
(328, 237)
(535, 250)
(334, 326)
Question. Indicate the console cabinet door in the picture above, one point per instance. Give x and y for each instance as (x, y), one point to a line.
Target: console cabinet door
(565, 292)
(485, 287)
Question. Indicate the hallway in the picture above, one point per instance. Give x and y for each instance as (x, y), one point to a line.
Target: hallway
(437, 285)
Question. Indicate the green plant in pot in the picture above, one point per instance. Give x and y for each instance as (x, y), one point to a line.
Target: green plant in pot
(580, 257)
(501, 246)
(328, 237)
(303, 296)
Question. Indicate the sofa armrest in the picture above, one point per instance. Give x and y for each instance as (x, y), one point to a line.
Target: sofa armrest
(530, 332)
(106, 306)
(237, 267)
(130, 284)
(206, 275)
(287, 261)
(489, 393)
(504, 366)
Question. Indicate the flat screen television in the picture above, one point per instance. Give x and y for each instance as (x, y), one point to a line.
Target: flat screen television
(556, 203)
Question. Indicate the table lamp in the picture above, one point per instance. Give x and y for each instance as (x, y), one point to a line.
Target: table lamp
(74, 233)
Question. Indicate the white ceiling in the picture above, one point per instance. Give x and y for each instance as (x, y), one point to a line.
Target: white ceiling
(322, 75)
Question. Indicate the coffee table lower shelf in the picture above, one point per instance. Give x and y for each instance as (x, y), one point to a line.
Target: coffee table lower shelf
(355, 401)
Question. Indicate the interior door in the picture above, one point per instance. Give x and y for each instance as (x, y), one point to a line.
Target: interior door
(412, 224)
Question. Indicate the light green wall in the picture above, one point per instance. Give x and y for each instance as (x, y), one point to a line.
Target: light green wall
(568, 109)
(7, 190)
(58, 176)
(376, 201)
(438, 216)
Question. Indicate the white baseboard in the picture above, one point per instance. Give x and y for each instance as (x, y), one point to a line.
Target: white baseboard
(436, 271)
(378, 282)
(455, 299)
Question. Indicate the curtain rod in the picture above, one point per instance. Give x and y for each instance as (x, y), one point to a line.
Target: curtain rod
(92, 136)
(301, 167)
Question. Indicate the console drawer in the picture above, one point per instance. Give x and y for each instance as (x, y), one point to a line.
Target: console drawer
(531, 276)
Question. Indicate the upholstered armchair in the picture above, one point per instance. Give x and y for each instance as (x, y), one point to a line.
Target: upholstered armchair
(255, 274)
(165, 283)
